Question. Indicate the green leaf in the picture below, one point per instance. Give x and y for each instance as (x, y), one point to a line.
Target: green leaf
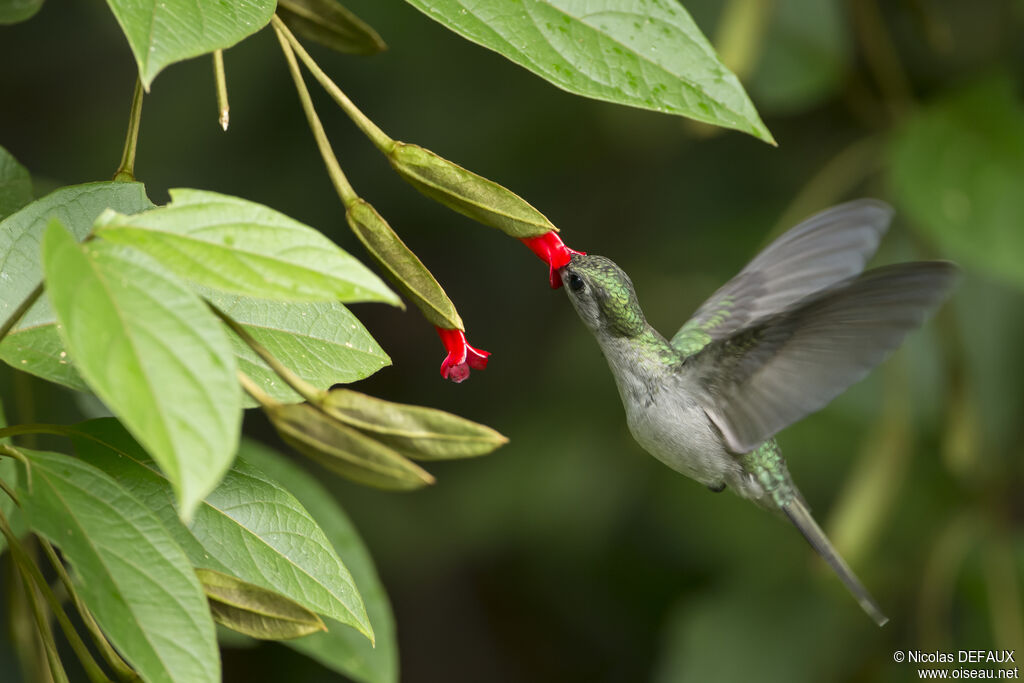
(413, 431)
(13, 11)
(642, 53)
(403, 266)
(340, 649)
(162, 32)
(129, 572)
(15, 183)
(462, 190)
(344, 450)
(255, 611)
(330, 24)
(34, 345)
(957, 170)
(249, 526)
(153, 352)
(76, 207)
(322, 342)
(241, 247)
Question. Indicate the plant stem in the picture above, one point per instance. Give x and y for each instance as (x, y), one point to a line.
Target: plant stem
(378, 137)
(222, 89)
(6, 488)
(254, 390)
(126, 170)
(33, 578)
(12, 452)
(34, 428)
(22, 308)
(123, 671)
(24, 635)
(341, 185)
(45, 632)
(301, 386)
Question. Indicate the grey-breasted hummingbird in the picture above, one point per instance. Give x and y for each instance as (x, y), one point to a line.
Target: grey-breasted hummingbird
(796, 327)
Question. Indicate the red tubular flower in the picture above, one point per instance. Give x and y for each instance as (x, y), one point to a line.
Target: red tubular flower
(461, 356)
(552, 251)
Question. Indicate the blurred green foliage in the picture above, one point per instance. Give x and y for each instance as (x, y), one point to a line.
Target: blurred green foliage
(570, 555)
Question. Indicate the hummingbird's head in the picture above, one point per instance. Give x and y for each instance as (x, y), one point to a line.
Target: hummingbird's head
(603, 296)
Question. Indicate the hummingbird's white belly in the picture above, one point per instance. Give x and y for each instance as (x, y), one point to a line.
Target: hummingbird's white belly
(674, 429)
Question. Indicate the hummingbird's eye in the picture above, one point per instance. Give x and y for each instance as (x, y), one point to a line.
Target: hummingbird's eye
(575, 282)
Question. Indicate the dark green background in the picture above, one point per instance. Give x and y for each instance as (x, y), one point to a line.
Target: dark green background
(570, 555)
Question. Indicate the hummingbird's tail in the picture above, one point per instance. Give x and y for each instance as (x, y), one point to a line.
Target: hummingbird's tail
(802, 520)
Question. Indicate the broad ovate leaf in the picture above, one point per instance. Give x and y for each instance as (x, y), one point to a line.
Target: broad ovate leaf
(237, 246)
(34, 344)
(76, 206)
(642, 53)
(249, 527)
(341, 649)
(153, 352)
(162, 32)
(255, 611)
(129, 572)
(322, 342)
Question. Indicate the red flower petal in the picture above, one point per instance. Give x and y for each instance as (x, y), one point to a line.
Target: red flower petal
(550, 249)
(461, 356)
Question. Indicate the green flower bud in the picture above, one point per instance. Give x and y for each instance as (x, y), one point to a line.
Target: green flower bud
(466, 192)
(403, 267)
(345, 450)
(255, 611)
(414, 431)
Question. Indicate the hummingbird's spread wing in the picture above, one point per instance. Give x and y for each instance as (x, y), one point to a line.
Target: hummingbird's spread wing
(784, 367)
(832, 246)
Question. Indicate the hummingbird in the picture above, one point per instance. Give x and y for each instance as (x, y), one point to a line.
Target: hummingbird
(794, 329)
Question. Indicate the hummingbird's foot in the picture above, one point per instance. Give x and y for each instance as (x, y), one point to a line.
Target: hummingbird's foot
(461, 356)
(717, 488)
(550, 249)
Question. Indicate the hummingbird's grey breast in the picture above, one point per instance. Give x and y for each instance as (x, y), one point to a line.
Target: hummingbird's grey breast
(667, 419)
